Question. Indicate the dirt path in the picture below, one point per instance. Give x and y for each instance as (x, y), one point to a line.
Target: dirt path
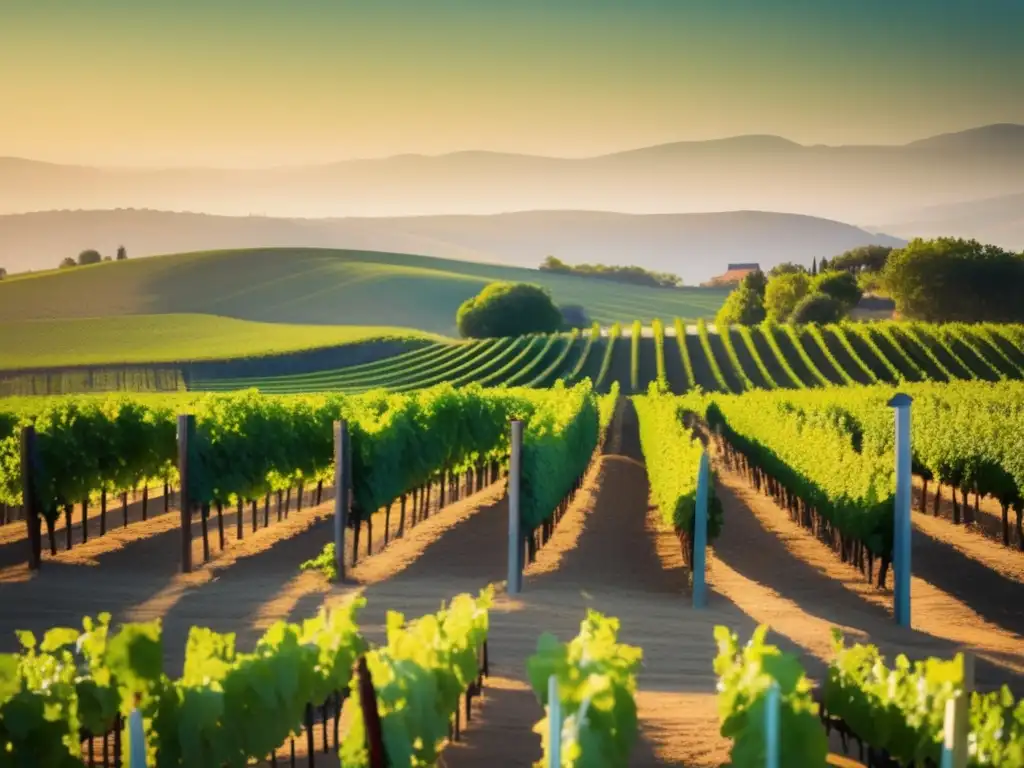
(608, 554)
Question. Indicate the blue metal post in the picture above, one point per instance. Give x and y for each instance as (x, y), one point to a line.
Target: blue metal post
(901, 519)
(137, 741)
(700, 534)
(554, 724)
(772, 722)
(515, 538)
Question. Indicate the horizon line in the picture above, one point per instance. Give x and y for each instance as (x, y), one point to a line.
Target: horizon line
(453, 153)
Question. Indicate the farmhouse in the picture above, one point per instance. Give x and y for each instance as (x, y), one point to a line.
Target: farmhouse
(732, 275)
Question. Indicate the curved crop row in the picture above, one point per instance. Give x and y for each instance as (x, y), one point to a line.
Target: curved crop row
(800, 357)
(634, 355)
(805, 358)
(595, 334)
(705, 344)
(815, 333)
(658, 331)
(606, 362)
(522, 371)
(685, 353)
(557, 364)
(483, 354)
(734, 360)
(767, 332)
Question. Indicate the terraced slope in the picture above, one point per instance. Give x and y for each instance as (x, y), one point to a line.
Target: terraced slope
(765, 357)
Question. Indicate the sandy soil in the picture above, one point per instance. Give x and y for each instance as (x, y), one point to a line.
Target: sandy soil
(608, 553)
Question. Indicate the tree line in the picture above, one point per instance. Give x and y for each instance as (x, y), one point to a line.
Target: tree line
(92, 256)
(632, 275)
(944, 279)
(89, 256)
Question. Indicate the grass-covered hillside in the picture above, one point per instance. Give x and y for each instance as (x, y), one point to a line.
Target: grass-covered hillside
(32, 344)
(318, 286)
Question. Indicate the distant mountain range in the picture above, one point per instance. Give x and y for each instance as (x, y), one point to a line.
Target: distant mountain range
(768, 173)
(694, 246)
(998, 220)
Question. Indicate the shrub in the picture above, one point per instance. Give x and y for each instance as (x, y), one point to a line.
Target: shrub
(744, 306)
(817, 308)
(89, 257)
(841, 286)
(783, 293)
(574, 316)
(508, 309)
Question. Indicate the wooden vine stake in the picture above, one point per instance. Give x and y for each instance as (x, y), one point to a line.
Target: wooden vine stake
(186, 426)
(958, 718)
(30, 504)
(371, 716)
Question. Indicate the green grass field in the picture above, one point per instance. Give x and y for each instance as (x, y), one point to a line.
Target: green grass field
(167, 338)
(312, 286)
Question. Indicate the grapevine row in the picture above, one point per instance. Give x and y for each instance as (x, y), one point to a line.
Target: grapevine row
(672, 456)
(230, 707)
(898, 712)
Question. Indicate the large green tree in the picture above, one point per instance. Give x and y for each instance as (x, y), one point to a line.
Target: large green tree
(89, 257)
(786, 268)
(755, 281)
(508, 309)
(783, 293)
(950, 279)
(864, 258)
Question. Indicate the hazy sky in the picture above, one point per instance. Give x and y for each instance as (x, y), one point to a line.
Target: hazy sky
(266, 82)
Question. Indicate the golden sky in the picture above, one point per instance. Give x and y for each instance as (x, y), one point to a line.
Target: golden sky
(273, 82)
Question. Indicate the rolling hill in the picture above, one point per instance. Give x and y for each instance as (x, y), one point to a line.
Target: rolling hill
(298, 286)
(171, 338)
(694, 246)
(847, 183)
(997, 220)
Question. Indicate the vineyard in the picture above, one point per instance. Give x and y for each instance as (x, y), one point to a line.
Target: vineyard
(745, 358)
(800, 525)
